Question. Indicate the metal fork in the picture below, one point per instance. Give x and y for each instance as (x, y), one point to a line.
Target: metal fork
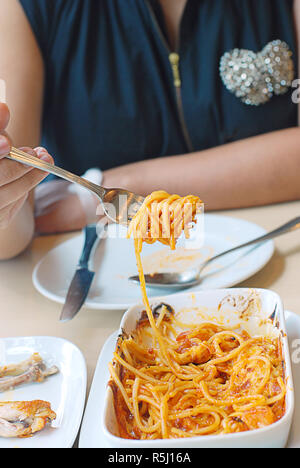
(118, 204)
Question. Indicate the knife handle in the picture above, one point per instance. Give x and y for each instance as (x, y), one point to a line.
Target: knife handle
(91, 236)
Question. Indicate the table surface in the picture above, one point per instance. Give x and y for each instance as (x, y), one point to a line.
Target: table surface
(24, 312)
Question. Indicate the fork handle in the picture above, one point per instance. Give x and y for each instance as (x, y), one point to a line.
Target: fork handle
(28, 160)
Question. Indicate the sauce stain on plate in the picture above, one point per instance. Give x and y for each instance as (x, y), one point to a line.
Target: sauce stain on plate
(166, 260)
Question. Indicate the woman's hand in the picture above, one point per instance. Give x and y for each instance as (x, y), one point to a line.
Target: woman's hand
(65, 215)
(16, 180)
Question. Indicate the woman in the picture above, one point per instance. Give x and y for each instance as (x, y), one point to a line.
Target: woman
(134, 87)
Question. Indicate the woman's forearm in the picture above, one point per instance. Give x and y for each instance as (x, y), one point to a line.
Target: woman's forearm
(256, 171)
(21, 67)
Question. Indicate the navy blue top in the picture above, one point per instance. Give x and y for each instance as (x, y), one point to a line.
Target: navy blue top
(110, 97)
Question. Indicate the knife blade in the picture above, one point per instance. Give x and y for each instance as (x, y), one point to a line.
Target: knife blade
(83, 278)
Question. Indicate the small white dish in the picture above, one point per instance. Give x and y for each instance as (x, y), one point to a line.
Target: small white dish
(66, 391)
(94, 436)
(115, 262)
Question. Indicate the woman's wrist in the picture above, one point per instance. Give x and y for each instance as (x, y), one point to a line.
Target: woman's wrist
(19, 234)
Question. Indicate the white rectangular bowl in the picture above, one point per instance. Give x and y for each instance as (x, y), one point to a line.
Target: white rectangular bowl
(203, 307)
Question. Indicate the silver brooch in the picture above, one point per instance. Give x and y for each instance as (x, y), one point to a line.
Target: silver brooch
(256, 77)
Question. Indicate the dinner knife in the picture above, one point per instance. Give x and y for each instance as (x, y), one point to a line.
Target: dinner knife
(83, 277)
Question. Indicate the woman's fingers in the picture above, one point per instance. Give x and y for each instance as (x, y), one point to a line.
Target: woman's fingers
(17, 180)
(12, 170)
(4, 116)
(43, 154)
(4, 140)
(4, 146)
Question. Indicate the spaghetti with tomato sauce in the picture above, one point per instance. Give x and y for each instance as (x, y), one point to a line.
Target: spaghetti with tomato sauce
(204, 380)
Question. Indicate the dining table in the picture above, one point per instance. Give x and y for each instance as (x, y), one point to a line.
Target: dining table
(25, 312)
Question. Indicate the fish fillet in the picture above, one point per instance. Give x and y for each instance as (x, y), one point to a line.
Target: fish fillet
(24, 418)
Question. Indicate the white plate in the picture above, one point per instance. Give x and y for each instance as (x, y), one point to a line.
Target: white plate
(90, 434)
(115, 261)
(66, 391)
